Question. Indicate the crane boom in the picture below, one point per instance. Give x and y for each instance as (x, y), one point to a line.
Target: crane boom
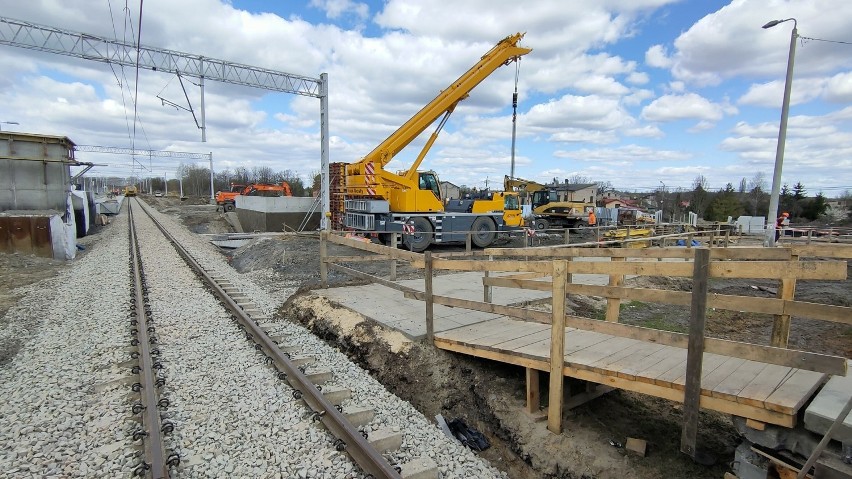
(505, 52)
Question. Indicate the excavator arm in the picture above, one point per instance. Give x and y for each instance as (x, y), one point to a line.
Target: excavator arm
(505, 52)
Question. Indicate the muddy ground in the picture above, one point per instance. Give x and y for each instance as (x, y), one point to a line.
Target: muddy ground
(488, 395)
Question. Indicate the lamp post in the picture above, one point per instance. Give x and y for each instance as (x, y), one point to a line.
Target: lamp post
(8, 123)
(782, 136)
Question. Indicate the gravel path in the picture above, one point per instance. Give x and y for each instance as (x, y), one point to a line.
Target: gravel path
(66, 397)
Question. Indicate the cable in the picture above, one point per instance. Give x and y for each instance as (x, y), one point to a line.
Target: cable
(118, 80)
(824, 40)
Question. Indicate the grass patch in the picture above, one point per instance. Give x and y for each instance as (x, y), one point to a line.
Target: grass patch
(631, 304)
(661, 323)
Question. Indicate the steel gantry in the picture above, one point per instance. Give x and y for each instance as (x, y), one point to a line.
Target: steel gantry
(23, 34)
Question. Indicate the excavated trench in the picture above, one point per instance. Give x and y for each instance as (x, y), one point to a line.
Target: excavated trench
(490, 397)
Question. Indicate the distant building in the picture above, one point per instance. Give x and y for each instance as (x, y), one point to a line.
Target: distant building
(449, 190)
(582, 192)
(613, 203)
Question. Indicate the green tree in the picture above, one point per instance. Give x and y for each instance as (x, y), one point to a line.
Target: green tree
(724, 204)
(799, 192)
(813, 208)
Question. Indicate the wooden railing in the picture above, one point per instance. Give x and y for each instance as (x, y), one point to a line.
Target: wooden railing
(551, 269)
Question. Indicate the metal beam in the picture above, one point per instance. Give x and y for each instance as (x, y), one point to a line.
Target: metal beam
(19, 33)
(138, 152)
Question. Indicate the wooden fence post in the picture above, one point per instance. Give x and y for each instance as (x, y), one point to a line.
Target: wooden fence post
(613, 305)
(430, 306)
(781, 323)
(323, 258)
(567, 235)
(557, 348)
(486, 290)
(467, 241)
(533, 391)
(695, 352)
(394, 243)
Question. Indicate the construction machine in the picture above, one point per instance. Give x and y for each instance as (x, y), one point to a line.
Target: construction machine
(367, 197)
(130, 190)
(547, 210)
(228, 199)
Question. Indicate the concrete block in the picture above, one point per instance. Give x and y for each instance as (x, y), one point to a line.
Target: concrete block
(320, 377)
(359, 416)
(748, 465)
(385, 440)
(300, 361)
(420, 468)
(828, 404)
(336, 395)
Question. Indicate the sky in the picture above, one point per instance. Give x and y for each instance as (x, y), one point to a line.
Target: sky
(643, 94)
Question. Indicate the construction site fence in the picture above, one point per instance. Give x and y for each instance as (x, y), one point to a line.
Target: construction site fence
(552, 269)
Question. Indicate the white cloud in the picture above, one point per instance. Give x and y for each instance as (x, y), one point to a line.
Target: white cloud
(647, 131)
(839, 88)
(336, 8)
(571, 111)
(658, 57)
(629, 153)
(683, 107)
(771, 94)
(638, 78)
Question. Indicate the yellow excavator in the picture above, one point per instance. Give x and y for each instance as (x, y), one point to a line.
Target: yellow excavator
(367, 197)
(547, 210)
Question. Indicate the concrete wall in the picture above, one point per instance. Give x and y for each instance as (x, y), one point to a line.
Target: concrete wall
(286, 213)
(35, 172)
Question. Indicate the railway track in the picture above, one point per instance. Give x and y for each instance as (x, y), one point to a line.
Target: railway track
(155, 356)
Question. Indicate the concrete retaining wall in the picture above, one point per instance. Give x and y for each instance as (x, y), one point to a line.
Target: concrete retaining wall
(258, 213)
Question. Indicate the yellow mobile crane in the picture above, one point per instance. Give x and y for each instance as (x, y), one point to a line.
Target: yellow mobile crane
(547, 210)
(375, 199)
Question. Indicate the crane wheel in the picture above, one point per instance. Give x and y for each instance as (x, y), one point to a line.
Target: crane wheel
(422, 237)
(484, 232)
(542, 224)
(229, 207)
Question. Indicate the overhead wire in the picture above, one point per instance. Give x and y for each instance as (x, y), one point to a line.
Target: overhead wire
(118, 80)
(824, 40)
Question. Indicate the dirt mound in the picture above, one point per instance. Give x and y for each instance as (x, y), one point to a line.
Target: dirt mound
(260, 253)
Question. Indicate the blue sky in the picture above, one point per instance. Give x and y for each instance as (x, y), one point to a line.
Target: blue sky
(639, 93)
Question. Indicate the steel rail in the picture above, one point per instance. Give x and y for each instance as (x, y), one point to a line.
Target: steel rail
(349, 438)
(152, 428)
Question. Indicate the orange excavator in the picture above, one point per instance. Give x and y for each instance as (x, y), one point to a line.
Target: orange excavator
(228, 199)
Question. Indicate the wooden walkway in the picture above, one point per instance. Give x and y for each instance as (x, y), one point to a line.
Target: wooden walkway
(759, 391)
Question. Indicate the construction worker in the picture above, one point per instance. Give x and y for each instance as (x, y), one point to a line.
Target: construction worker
(593, 220)
(780, 223)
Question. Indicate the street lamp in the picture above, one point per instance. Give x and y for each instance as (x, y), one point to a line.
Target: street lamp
(8, 123)
(782, 136)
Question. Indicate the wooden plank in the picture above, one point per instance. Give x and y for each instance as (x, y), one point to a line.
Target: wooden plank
(613, 304)
(634, 354)
(357, 259)
(479, 265)
(783, 357)
(674, 361)
(517, 330)
(721, 372)
(632, 370)
(825, 270)
(763, 385)
(375, 248)
(469, 334)
(743, 253)
(708, 402)
(375, 279)
(825, 312)
(794, 391)
(834, 250)
(781, 323)
(542, 335)
(557, 348)
(695, 352)
(512, 311)
(533, 391)
(430, 304)
(586, 356)
(731, 386)
(710, 363)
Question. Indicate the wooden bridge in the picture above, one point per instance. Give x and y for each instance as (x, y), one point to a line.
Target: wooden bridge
(763, 383)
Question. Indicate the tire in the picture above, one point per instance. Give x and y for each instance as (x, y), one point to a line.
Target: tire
(229, 207)
(541, 224)
(422, 237)
(484, 232)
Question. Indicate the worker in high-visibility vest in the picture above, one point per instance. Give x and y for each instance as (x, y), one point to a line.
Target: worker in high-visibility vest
(593, 220)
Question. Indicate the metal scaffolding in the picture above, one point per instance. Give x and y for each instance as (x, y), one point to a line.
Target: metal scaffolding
(18, 33)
